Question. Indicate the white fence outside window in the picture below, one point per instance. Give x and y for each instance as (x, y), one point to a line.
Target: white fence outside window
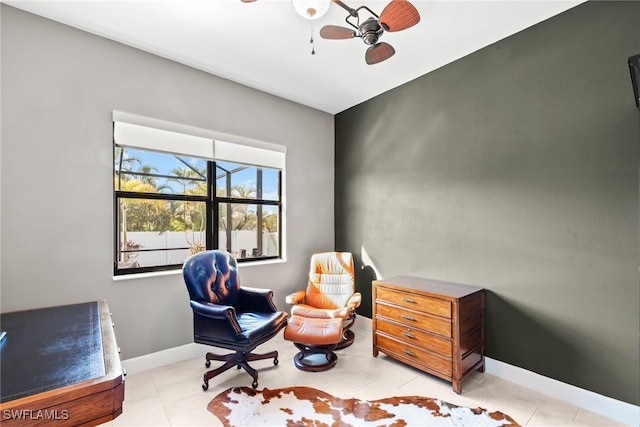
(243, 244)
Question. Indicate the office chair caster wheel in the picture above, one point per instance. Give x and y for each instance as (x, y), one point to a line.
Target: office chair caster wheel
(275, 361)
(207, 363)
(205, 386)
(254, 384)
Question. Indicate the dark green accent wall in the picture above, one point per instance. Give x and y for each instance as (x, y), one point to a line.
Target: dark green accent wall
(516, 169)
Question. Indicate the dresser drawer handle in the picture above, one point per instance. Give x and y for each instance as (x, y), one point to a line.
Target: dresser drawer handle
(410, 353)
(409, 318)
(409, 300)
(408, 335)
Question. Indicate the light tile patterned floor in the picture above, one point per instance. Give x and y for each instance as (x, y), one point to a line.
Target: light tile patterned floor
(172, 395)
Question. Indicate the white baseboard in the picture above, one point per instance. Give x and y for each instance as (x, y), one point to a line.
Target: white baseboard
(164, 357)
(611, 408)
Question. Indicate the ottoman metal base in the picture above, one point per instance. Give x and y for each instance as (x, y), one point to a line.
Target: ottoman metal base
(316, 358)
(316, 339)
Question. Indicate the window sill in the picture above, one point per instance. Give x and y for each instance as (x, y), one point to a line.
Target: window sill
(126, 277)
(241, 266)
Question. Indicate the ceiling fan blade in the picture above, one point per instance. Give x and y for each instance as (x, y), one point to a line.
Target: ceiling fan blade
(378, 53)
(399, 15)
(335, 32)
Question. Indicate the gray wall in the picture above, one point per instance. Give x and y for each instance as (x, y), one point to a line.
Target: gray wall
(516, 169)
(59, 88)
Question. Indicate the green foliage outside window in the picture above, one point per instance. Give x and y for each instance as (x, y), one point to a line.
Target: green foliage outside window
(160, 192)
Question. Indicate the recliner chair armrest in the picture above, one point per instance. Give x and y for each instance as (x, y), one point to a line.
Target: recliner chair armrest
(296, 297)
(355, 300)
(257, 299)
(214, 311)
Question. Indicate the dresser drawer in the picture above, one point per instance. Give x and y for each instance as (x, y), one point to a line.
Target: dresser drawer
(415, 337)
(415, 354)
(414, 319)
(416, 302)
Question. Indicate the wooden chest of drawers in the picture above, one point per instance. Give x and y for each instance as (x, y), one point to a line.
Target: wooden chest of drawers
(437, 327)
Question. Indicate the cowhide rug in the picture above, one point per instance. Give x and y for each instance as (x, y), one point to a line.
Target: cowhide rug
(306, 406)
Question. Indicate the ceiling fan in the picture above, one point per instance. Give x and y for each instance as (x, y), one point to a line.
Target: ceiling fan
(398, 15)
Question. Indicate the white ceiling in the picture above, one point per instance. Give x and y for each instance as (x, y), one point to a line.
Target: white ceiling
(265, 44)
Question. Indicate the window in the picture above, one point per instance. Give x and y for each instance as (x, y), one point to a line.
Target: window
(248, 206)
(169, 205)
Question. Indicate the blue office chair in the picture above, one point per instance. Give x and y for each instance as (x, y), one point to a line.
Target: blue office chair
(228, 315)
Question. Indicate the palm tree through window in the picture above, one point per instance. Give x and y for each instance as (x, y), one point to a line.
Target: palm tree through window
(169, 206)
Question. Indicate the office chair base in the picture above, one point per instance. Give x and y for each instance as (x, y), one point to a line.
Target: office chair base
(238, 359)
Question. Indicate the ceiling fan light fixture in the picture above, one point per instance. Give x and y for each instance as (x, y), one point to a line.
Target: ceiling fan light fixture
(311, 9)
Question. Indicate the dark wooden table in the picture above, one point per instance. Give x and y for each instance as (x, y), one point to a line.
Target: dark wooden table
(60, 366)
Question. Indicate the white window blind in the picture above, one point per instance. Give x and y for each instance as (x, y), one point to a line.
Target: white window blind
(240, 153)
(140, 132)
(136, 136)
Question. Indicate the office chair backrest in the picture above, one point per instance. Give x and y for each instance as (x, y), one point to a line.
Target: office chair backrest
(212, 276)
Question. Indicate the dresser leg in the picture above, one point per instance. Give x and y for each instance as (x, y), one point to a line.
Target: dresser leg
(457, 386)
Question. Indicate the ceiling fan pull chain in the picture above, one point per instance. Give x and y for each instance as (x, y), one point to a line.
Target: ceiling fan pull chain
(313, 48)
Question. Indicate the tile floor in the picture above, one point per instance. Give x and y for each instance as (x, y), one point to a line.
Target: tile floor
(172, 395)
